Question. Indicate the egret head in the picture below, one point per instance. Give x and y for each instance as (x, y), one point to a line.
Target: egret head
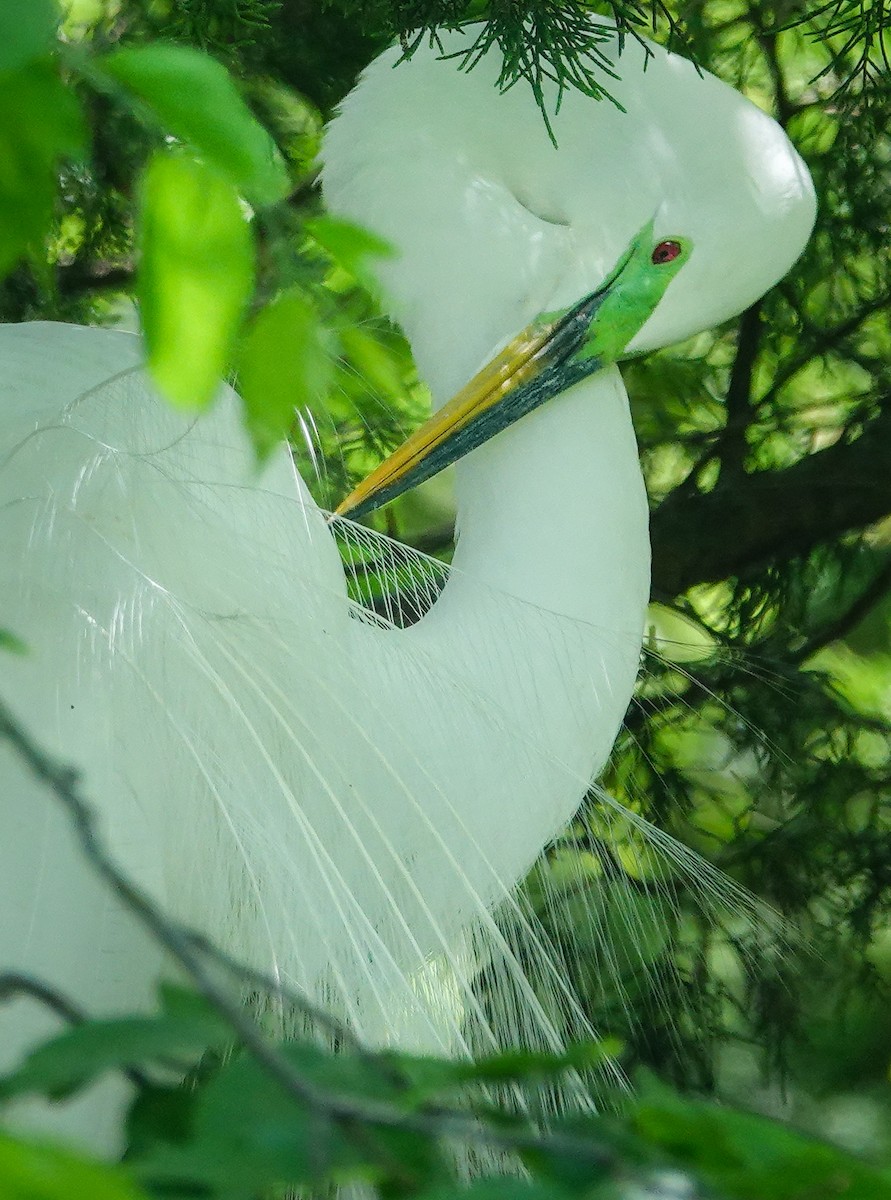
(494, 224)
(556, 351)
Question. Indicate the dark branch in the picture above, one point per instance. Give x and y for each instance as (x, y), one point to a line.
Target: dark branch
(748, 522)
(81, 279)
(733, 446)
(13, 985)
(850, 618)
(743, 525)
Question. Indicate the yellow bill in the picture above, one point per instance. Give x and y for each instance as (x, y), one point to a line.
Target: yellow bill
(518, 363)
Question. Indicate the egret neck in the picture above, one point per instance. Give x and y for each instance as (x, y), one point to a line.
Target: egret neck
(552, 540)
(567, 482)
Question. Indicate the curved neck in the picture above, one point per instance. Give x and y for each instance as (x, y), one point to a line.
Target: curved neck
(553, 510)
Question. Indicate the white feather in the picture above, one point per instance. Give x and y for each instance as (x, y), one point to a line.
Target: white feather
(334, 800)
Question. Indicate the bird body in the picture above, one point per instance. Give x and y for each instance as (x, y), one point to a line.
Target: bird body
(339, 802)
(346, 851)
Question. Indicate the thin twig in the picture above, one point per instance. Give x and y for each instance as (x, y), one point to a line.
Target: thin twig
(732, 445)
(179, 942)
(875, 591)
(188, 950)
(14, 984)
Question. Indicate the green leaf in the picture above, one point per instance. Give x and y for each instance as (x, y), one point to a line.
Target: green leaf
(376, 365)
(284, 362)
(249, 1135)
(31, 1171)
(40, 120)
(498, 1188)
(429, 1078)
(194, 98)
(350, 246)
(27, 31)
(747, 1157)
(76, 1057)
(195, 278)
(520, 1065)
(11, 643)
(159, 1114)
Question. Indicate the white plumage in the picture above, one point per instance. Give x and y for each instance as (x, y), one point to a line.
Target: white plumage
(332, 800)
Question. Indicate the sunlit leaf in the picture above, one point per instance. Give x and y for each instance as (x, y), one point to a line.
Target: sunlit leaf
(284, 363)
(31, 1171)
(295, 121)
(29, 149)
(195, 277)
(378, 367)
(194, 98)
(350, 246)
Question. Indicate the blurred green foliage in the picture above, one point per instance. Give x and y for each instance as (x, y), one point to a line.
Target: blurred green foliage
(759, 736)
(393, 1123)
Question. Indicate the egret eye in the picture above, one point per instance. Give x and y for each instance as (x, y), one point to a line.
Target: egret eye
(665, 252)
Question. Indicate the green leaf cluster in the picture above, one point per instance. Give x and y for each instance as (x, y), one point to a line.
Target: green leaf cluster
(221, 264)
(389, 1122)
(40, 122)
(39, 1171)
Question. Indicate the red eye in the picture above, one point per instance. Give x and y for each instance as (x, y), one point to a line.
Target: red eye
(665, 252)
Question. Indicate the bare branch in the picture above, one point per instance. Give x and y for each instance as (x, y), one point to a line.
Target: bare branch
(354, 1113)
(744, 524)
(14, 984)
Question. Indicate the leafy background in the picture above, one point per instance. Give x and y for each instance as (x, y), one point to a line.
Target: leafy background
(138, 135)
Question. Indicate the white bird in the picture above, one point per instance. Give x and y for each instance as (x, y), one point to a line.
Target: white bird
(338, 802)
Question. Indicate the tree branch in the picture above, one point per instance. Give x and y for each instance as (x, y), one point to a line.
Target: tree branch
(744, 524)
(81, 279)
(732, 445)
(14, 984)
(748, 521)
(850, 618)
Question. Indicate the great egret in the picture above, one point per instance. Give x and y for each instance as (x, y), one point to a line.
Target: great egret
(339, 802)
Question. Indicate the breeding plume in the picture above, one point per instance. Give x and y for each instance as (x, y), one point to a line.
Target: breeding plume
(333, 799)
